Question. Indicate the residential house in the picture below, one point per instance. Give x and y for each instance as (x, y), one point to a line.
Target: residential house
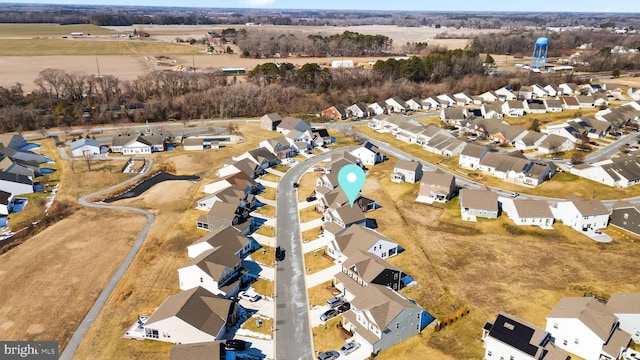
(634, 93)
(478, 203)
(534, 107)
(569, 102)
(539, 91)
(320, 137)
(491, 111)
(626, 307)
(553, 105)
(508, 337)
(368, 154)
(586, 101)
(358, 110)
(85, 147)
(195, 144)
(530, 212)
(193, 316)
(627, 217)
(359, 238)
(552, 90)
(490, 96)
(568, 89)
(447, 100)
(260, 156)
(15, 183)
(212, 350)
(6, 203)
(463, 98)
(513, 108)
(270, 121)
(397, 104)
(613, 89)
(471, 155)
(587, 328)
(526, 93)
(335, 198)
(450, 147)
(626, 170)
(378, 108)
(13, 141)
(218, 270)
(224, 214)
(279, 146)
(437, 186)
(554, 143)
(530, 141)
(345, 216)
(240, 180)
(230, 194)
(410, 132)
(290, 123)
(336, 112)
(600, 99)
(367, 268)
(9, 165)
(299, 141)
(431, 103)
(224, 236)
(407, 171)
(505, 93)
(453, 116)
(380, 317)
(246, 166)
(516, 167)
(590, 89)
(581, 215)
(414, 104)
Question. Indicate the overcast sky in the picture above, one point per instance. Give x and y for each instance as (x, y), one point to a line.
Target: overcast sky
(628, 6)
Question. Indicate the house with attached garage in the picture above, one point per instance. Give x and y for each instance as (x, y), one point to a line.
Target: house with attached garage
(505, 93)
(508, 337)
(193, 316)
(85, 146)
(30, 169)
(379, 316)
(246, 166)
(414, 104)
(539, 91)
(552, 90)
(13, 141)
(553, 143)
(463, 98)
(471, 155)
(581, 215)
(489, 96)
(525, 92)
(553, 105)
(431, 103)
(620, 172)
(291, 123)
(626, 307)
(336, 198)
(358, 110)
(240, 180)
(224, 236)
(586, 327)
(409, 132)
(476, 203)
(231, 194)
(360, 238)
(368, 154)
(407, 171)
(447, 100)
(586, 101)
(397, 105)
(626, 216)
(534, 107)
(378, 108)
(530, 141)
(270, 121)
(569, 102)
(453, 116)
(226, 214)
(278, 146)
(336, 112)
(260, 156)
(129, 144)
(436, 186)
(491, 111)
(513, 108)
(345, 216)
(366, 268)
(568, 89)
(218, 270)
(529, 212)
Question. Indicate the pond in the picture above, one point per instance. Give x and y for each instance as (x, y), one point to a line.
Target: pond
(147, 184)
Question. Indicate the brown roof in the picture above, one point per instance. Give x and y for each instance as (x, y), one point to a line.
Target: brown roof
(532, 208)
(474, 150)
(241, 180)
(199, 351)
(367, 265)
(227, 235)
(197, 307)
(624, 303)
(479, 199)
(569, 100)
(358, 237)
(437, 178)
(350, 214)
(619, 340)
(411, 165)
(591, 312)
(589, 207)
(214, 261)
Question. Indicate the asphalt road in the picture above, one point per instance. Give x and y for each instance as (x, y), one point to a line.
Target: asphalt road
(293, 332)
(84, 326)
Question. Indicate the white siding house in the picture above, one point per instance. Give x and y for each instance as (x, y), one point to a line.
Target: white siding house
(582, 215)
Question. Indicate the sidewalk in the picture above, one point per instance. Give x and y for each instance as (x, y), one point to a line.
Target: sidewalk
(322, 276)
(311, 224)
(264, 240)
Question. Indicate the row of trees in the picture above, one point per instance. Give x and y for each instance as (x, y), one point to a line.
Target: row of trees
(261, 44)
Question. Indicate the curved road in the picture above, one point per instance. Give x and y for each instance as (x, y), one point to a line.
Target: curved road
(82, 329)
(292, 317)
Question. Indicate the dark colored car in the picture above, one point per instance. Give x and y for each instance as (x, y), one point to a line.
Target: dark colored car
(295, 185)
(344, 307)
(235, 344)
(279, 254)
(310, 198)
(329, 314)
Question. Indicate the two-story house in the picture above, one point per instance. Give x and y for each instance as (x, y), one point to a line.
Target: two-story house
(407, 171)
(358, 237)
(582, 215)
(437, 186)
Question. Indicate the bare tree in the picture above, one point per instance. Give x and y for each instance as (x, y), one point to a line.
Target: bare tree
(87, 156)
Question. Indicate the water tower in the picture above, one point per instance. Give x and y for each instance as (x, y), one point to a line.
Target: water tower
(539, 57)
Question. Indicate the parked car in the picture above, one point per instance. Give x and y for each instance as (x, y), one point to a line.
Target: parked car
(329, 314)
(515, 194)
(329, 355)
(569, 164)
(335, 301)
(235, 344)
(249, 296)
(295, 185)
(593, 143)
(557, 158)
(344, 307)
(310, 198)
(279, 254)
(350, 347)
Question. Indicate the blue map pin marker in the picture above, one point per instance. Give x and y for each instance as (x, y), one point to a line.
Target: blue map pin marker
(351, 179)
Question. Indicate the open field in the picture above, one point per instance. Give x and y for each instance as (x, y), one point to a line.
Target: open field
(40, 47)
(45, 30)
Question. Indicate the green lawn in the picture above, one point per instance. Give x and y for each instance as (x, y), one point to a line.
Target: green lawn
(34, 47)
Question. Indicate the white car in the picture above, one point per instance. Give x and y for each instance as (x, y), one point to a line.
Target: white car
(249, 296)
(349, 347)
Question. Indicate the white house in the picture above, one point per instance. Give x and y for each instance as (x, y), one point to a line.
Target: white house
(447, 99)
(378, 108)
(85, 146)
(397, 104)
(529, 212)
(407, 171)
(554, 143)
(513, 108)
(225, 236)
(358, 110)
(582, 215)
(490, 96)
(6, 203)
(508, 337)
(436, 186)
(368, 154)
(216, 270)
(431, 103)
(414, 104)
(505, 93)
(552, 90)
(358, 237)
(587, 328)
(471, 155)
(192, 316)
(626, 307)
(15, 183)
